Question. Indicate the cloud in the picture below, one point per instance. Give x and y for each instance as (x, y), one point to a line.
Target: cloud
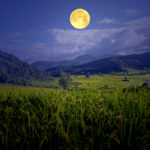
(132, 12)
(107, 21)
(131, 37)
(100, 42)
(78, 42)
(28, 46)
(142, 23)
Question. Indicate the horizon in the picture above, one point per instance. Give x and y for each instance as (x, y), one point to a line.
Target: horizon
(41, 30)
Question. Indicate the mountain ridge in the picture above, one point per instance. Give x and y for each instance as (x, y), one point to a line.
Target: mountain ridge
(14, 70)
(44, 65)
(110, 64)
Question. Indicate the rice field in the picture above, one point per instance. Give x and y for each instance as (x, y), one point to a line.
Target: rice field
(110, 81)
(92, 119)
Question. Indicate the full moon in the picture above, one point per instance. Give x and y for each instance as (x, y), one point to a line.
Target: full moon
(79, 18)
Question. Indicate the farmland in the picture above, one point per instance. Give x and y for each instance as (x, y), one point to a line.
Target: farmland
(102, 116)
(111, 81)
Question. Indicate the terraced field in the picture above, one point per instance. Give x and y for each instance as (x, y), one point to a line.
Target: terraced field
(111, 81)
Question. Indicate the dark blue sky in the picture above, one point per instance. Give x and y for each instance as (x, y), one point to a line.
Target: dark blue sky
(40, 29)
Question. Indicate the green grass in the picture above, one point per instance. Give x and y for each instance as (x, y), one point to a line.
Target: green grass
(47, 84)
(111, 81)
(41, 118)
(96, 81)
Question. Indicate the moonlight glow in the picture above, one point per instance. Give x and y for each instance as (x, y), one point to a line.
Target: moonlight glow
(79, 18)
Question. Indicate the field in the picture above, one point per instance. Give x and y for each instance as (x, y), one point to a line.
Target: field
(110, 81)
(97, 81)
(106, 115)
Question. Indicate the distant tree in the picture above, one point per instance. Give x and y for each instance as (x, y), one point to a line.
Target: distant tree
(125, 79)
(14, 70)
(112, 73)
(100, 73)
(64, 80)
(87, 75)
(106, 86)
(3, 77)
(145, 85)
(19, 81)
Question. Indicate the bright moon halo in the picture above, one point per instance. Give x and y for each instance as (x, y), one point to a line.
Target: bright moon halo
(79, 18)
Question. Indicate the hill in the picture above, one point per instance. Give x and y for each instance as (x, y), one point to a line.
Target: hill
(44, 65)
(110, 64)
(13, 70)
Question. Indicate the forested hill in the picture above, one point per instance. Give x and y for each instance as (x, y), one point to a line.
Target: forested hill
(14, 70)
(44, 65)
(110, 64)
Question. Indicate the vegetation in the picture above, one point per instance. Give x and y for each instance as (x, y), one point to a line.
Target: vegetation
(44, 65)
(110, 65)
(14, 71)
(87, 75)
(64, 80)
(90, 112)
(110, 81)
(125, 79)
(38, 118)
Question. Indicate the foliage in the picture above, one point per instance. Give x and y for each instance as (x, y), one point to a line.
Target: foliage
(110, 65)
(37, 118)
(87, 75)
(64, 80)
(125, 79)
(12, 70)
(44, 65)
(114, 81)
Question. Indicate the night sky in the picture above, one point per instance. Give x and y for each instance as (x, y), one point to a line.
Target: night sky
(36, 30)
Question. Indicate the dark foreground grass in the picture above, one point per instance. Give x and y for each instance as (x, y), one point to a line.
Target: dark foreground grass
(36, 118)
